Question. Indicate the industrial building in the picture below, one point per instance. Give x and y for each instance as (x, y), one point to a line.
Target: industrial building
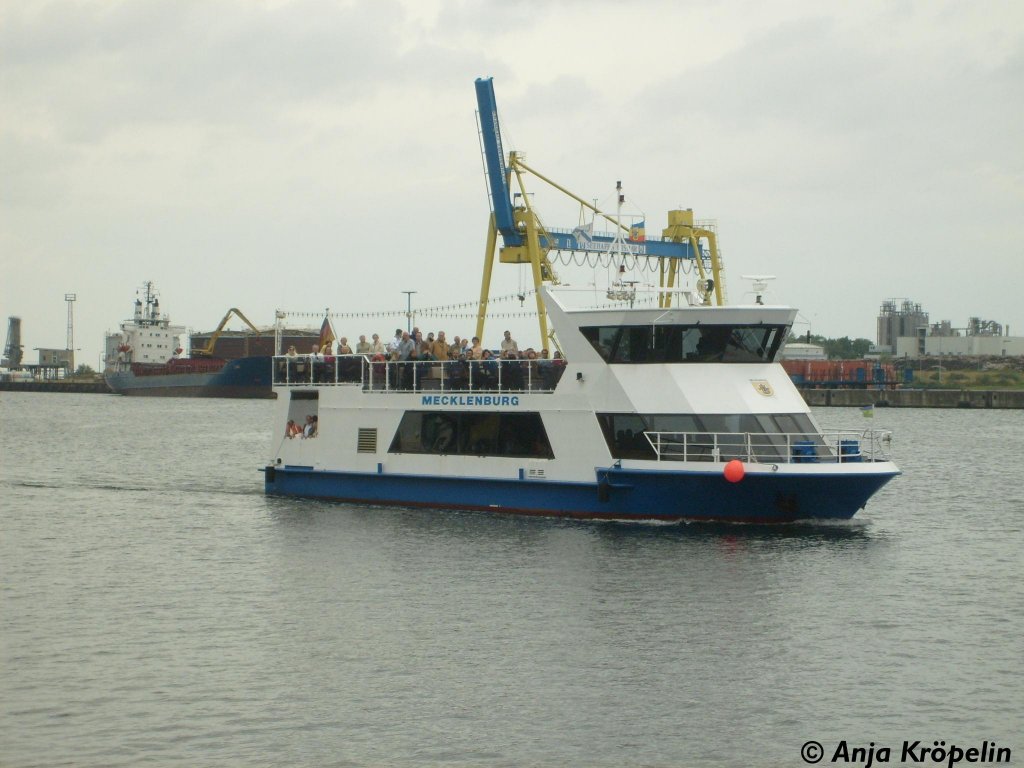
(54, 363)
(904, 331)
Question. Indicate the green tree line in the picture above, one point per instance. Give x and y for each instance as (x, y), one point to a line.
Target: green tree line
(843, 348)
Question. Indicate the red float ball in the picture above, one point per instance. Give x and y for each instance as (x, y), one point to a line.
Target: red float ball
(734, 471)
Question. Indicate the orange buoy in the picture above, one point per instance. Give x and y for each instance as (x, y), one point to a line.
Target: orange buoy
(734, 471)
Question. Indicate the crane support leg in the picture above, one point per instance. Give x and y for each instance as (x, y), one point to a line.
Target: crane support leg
(542, 316)
(716, 268)
(665, 300)
(695, 244)
(485, 285)
(538, 256)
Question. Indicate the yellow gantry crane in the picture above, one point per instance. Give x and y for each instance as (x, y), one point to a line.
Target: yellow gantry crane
(525, 240)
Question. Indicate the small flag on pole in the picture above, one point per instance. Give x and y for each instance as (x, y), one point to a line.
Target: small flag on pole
(638, 232)
(326, 333)
(867, 411)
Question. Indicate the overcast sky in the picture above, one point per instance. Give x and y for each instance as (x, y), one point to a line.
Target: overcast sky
(304, 155)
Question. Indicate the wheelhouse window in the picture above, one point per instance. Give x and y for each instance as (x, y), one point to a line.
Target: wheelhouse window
(519, 435)
(686, 343)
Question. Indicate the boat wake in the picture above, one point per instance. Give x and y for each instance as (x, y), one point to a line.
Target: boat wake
(205, 490)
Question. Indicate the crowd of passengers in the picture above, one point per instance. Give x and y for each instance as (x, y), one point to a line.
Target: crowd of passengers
(294, 429)
(520, 369)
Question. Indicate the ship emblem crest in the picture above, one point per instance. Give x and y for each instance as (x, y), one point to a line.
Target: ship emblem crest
(763, 387)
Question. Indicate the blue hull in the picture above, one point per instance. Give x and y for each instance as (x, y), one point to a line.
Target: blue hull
(248, 377)
(618, 494)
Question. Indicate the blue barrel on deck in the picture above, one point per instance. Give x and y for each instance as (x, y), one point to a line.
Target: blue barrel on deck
(804, 453)
(849, 450)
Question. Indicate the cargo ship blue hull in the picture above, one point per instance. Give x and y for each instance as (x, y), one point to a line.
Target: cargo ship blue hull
(247, 377)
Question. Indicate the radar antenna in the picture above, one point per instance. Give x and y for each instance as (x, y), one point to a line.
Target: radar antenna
(759, 283)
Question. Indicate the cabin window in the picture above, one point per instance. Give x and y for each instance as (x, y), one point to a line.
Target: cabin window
(519, 435)
(626, 438)
(686, 343)
(303, 413)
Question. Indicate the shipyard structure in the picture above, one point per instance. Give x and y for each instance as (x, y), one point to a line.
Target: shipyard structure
(904, 331)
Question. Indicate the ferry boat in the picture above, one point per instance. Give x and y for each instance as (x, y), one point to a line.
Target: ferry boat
(663, 407)
(655, 414)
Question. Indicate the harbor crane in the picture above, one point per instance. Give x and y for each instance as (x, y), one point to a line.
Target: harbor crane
(525, 240)
(207, 351)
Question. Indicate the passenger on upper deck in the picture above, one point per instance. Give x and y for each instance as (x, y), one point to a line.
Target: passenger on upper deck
(392, 347)
(405, 355)
(363, 347)
(476, 352)
(291, 367)
(508, 344)
(488, 371)
(316, 363)
(532, 368)
(343, 347)
(422, 345)
(512, 371)
(406, 347)
(425, 347)
(439, 349)
(377, 346)
(546, 369)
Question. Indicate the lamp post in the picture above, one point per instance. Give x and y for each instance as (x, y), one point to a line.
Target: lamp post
(408, 309)
(802, 320)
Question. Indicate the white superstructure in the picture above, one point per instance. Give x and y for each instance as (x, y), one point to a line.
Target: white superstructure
(148, 337)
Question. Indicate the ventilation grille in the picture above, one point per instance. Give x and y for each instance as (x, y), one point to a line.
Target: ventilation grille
(535, 474)
(367, 441)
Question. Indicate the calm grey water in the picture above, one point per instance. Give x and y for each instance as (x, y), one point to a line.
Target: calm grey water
(158, 609)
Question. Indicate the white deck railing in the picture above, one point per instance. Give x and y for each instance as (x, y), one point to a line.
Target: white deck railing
(832, 446)
(493, 375)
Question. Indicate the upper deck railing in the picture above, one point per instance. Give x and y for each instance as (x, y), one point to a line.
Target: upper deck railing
(831, 446)
(375, 375)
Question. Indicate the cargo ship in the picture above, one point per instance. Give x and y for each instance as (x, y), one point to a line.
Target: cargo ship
(145, 358)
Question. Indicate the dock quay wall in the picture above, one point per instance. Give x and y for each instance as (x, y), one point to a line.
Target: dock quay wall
(916, 398)
(95, 387)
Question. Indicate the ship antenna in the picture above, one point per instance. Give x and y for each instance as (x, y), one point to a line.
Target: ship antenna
(620, 289)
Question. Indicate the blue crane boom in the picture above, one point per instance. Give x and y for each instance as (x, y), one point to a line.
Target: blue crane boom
(500, 190)
(497, 171)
